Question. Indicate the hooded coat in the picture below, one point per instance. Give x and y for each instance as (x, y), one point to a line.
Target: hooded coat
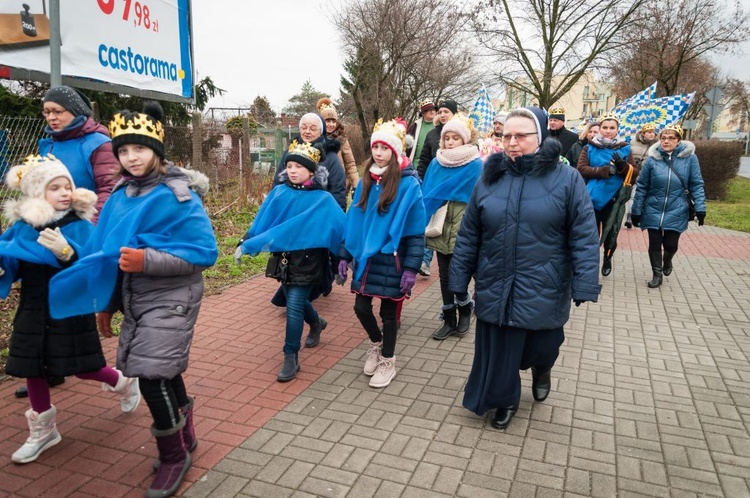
(659, 197)
(529, 238)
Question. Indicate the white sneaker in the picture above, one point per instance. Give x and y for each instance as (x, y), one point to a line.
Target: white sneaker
(42, 435)
(127, 388)
(424, 270)
(373, 358)
(385, 372)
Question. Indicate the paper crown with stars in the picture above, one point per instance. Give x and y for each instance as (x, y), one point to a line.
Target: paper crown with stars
(390, 133)
(675, 128)
(304, 154)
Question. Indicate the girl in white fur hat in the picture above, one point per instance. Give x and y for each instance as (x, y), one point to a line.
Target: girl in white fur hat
(51, 221)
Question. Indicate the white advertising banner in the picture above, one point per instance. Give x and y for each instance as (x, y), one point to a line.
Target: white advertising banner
(144, 45)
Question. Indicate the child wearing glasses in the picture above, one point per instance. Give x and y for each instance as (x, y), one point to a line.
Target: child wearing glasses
(447, 188)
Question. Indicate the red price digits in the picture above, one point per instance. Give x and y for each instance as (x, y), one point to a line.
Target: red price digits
(141, 11)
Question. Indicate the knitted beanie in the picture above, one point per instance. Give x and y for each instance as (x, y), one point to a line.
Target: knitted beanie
(449, 104)
(461, 125)
(500, 118)
(143, 128)
(426, 105)
(392, 134)
(70, 99)
(557, 113)
(327, 109)
(33, 176)
(304, 154)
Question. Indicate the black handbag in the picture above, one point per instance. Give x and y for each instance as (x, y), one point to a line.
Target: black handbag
(690, 200)
(277, 266)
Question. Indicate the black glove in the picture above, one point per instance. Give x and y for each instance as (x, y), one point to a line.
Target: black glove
(635, 219)
(701, 218)
(621, 165)
(578, 302)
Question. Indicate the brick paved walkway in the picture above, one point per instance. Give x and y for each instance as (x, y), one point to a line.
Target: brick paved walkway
(648, 400)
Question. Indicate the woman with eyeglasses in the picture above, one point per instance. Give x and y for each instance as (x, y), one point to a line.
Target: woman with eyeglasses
(604, 163)
(80, 143)
(529, 238)
(661, 203)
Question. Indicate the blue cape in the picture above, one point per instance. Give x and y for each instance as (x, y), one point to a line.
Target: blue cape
(368, 232)
(156, 220)
(449, 184)
(293, 219)
(18, 243)
(602, 191)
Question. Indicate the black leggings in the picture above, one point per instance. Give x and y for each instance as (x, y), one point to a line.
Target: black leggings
(363, 310)
(601, 218)
(666, 238)
(444, 271)
(164, 398)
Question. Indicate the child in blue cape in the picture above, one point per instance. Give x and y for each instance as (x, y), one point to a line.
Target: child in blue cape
(146, 258)
(447, 186)
(385, 239)
(301, 225)
(50, 223)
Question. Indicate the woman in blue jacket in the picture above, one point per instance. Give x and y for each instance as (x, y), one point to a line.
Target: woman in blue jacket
(529, 237)
(661, 203)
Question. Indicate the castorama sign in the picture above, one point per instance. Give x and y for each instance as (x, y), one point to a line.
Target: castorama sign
(139, 44)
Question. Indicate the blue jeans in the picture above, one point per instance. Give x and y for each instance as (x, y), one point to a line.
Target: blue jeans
(298, 311)
(427, 257)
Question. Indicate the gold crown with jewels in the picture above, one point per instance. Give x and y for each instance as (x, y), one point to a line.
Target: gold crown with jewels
(609, 116)
(557, 110)
(139, 123)
(304, 150)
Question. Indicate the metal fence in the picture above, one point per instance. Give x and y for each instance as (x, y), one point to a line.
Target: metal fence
(239, 167)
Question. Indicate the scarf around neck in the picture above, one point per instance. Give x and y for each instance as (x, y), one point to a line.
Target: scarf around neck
(457, 157)
(605, 143)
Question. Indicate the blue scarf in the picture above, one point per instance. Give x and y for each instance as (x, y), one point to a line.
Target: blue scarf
(602, 191)
(368, 232)
(292, 219)
(449, 184)
(18, 243)
(156, 220)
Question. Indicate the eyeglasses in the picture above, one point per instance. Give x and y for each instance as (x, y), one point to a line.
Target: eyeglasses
(518, 136)
(55, 112)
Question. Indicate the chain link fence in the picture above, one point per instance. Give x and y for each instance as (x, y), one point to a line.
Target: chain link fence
(240, 166)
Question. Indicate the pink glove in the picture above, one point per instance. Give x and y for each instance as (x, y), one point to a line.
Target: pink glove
(408, 279)
(343, 268)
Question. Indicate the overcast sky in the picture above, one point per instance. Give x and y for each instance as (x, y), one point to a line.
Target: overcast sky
(271, 47)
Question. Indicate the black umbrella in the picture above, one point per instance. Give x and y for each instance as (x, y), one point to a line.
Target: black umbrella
(613, 223)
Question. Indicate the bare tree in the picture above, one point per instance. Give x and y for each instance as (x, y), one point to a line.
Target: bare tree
(399, 52)
(738, 94)
(543, 47)
(670, 43)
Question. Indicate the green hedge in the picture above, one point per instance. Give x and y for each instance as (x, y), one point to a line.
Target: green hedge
(720, 162)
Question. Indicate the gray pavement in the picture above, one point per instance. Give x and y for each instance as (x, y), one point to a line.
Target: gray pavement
(744, 167)
(650, 398)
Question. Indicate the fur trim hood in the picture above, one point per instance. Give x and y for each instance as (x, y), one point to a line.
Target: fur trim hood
(40, 213)
(543, 161)
(179, 180)
(319, 178)
(684, 149)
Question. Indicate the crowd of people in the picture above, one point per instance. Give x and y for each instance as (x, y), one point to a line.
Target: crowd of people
(104, 223)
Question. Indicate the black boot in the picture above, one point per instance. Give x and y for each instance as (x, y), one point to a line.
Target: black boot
(289, 369)
(606, 266)
(628, 222)
(464, 317)
(502, 417)
(667, 266)
(449, 323)
(655, 258)
(174, 461)
(540, 384)
(313, 337)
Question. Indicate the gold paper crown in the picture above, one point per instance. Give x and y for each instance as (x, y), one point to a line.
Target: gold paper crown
(32, 161)
(675, 128)
(648, 127)
(557, 110)
(304, 150)
(609, 116)
(138, 124)
(325, 106)
(394, 127)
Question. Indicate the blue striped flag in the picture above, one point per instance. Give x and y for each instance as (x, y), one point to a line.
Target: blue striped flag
(648, 93)
(661, 112)
(483, 112)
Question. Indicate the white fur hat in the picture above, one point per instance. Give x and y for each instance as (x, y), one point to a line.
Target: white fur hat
(461, 125)
(32, 178)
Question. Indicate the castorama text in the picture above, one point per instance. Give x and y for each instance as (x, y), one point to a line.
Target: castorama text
(118, 58)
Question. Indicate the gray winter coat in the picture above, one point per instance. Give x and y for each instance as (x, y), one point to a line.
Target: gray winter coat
(529, 239)
(659, 197)
(160, 305)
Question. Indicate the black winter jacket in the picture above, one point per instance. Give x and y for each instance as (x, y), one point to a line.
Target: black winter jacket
(566, 138)
(330, 160)
(429, 150)
(41, 346)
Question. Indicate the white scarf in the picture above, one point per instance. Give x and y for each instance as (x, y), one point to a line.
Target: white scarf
(458, 156)
(375, 170)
